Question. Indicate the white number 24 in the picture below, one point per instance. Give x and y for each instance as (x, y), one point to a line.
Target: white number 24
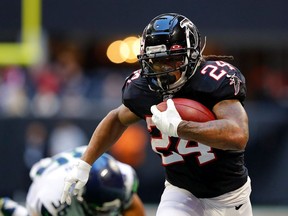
(162, 143)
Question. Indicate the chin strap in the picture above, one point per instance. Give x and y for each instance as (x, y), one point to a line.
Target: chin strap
(199, 60)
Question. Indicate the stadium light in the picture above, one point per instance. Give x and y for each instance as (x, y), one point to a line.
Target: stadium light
(126, 50)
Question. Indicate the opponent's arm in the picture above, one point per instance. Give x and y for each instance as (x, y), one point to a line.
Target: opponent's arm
(228, 132)
(136, 207)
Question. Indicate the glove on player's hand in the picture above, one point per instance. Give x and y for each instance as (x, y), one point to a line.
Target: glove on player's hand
(167, 121)
(75, 180)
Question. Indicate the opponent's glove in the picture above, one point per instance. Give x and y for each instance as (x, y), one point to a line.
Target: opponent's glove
(167, 121)
(75, 180)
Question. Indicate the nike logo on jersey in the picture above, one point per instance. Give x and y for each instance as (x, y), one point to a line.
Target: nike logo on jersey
(238, 207)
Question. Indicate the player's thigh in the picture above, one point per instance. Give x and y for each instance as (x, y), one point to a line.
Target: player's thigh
(244, 209)
(178, 202)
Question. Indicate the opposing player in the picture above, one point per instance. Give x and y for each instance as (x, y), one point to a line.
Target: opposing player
(110, 190)
(204, 162)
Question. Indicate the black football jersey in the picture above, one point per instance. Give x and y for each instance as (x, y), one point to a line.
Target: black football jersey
(204, 171)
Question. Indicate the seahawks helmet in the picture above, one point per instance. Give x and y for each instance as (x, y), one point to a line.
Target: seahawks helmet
(169, 52)
(104, 193)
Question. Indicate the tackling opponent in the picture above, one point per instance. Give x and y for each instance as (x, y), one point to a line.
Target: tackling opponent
(110, 190)
(204, 162)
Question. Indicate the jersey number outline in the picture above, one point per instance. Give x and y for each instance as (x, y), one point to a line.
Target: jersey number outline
(136, 75)
(214, 71)
(183, 148)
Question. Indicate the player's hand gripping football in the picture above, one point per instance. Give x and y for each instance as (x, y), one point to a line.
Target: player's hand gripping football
(167, 121)
(75, 180)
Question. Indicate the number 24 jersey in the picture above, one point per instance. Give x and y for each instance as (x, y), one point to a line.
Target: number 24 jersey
(204, 171)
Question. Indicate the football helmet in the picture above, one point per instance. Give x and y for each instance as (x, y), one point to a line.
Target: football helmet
(104, 192)
(169, 52)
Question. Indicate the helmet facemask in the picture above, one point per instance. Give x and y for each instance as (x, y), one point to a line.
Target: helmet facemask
(165, 70)
(170, 52)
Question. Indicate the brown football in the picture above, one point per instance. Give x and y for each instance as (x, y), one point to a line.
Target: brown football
(189, 110)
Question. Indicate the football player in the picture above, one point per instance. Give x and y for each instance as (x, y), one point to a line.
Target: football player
(110, 190)
(204, 162)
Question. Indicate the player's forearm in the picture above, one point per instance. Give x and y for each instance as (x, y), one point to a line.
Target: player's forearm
(106, 134)
(221, 134)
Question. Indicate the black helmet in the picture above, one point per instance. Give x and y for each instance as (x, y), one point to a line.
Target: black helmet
(105, 191)
(174, 39)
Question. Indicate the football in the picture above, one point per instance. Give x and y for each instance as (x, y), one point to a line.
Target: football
(189, 110)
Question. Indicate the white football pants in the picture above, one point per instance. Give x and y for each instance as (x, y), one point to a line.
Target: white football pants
(179, 202)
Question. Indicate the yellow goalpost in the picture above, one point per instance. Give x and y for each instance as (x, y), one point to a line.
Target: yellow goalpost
(28, 50)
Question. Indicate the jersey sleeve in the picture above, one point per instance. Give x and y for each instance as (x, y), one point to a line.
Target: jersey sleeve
(232, 87)
(8, 207)
(216, 81)
(50, 163)
(137, 96)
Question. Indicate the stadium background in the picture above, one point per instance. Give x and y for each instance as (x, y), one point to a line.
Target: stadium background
(38, 109)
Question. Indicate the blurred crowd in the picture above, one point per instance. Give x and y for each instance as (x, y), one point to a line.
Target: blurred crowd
(268, 84)
(60, 87)
(64, 87)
